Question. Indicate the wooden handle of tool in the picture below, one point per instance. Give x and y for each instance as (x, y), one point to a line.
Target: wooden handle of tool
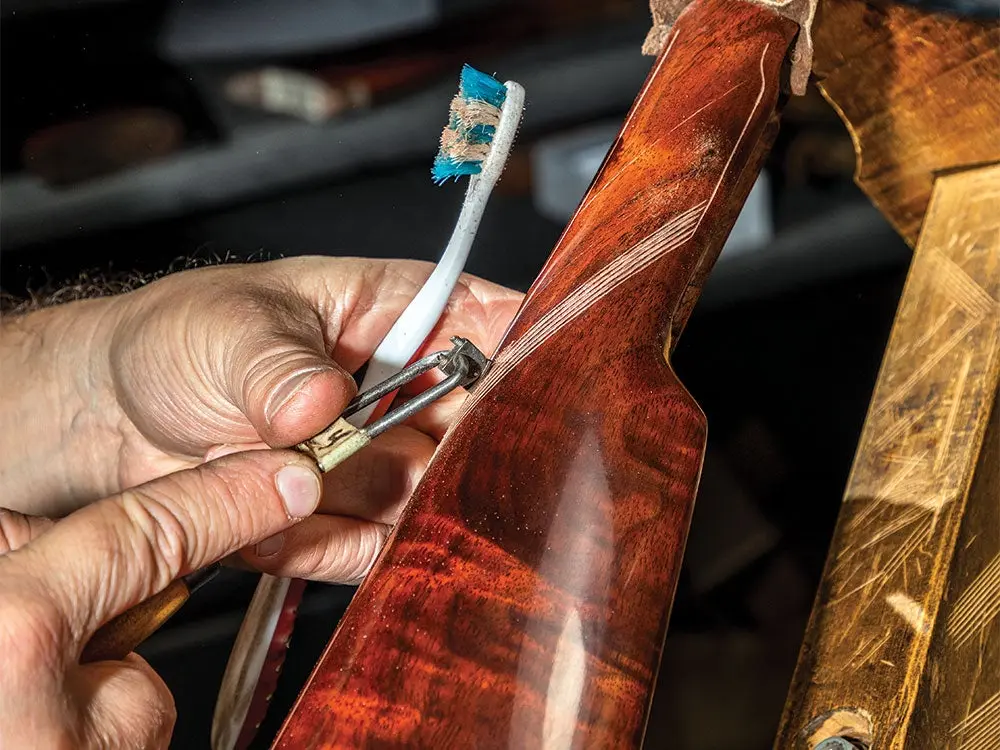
(119, 637)
(523, 598)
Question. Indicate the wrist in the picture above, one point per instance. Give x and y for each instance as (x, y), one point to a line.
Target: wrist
(59, 414)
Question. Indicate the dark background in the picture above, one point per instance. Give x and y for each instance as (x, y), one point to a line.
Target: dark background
(782, 353)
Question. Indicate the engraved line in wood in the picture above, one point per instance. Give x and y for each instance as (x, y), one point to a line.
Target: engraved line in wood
(948, 429)
(928, 335)
(668, 237)
(897, 524)
(889, 399)
(977, 606)
(980, 730)
(636, 105)
(954, 282)
(868, 651)
(644, 253)
(649, 250)
(950, 280)
(966, 292)
(542, 277)
(629, 163)
(749, 119)
(900, 484)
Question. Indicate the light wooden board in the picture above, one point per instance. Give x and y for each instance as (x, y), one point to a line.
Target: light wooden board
(918, 91)
(902, 642)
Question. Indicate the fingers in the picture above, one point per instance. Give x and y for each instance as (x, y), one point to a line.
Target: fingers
(360, 299)
(242, 355)
(17, 529)
(376, 482)
(362, 499)
(46, 700)
(363, 299)
(127, 705)
(273, 348)
(293, 392)
(478, 311)
(379, 292)
(117, 552)
(334, 549)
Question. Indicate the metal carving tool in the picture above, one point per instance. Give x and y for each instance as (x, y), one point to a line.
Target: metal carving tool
(463, 365)
(240, 706)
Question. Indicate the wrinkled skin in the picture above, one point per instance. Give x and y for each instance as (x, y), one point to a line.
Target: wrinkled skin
(151, 425)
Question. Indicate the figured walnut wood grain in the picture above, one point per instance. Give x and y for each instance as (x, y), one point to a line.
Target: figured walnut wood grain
(919, 92)
(908, 547)
(523, 598)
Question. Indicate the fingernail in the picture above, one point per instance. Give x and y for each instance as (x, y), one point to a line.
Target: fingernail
(270, 546)
(299, 488)
(288, 390)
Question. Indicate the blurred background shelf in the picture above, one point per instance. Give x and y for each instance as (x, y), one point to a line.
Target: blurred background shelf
(261, 156)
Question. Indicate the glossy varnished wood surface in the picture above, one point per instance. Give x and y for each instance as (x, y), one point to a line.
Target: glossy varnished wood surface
(919, 92)
(523, 598)
(902, 648)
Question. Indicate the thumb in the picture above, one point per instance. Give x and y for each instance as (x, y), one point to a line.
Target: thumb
(290, 391)
(117, 552)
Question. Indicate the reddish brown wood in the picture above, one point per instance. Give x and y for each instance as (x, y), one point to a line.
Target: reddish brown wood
(523, 598)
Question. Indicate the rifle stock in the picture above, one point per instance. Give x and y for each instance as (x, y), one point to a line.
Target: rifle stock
(523, 598)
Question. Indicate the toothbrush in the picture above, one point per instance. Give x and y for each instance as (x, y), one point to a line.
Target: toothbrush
(482, 123)
(483, 120)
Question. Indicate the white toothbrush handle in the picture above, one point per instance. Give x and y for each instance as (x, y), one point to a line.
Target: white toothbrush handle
(413, 327)
(246, 661)
(405, 337)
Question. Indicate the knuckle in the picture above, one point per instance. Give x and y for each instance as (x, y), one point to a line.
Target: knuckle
(159, 713)
(136, 711)
(199, 514)
(242, 495)
(159, 530)
(348, 560)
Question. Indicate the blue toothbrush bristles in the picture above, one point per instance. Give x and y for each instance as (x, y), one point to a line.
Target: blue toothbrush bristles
(474, 84)
(472, 121)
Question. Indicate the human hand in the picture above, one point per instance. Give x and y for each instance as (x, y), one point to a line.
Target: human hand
(231, 358)
(59, 582)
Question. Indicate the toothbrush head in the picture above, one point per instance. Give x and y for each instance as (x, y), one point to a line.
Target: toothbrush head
(472, 125)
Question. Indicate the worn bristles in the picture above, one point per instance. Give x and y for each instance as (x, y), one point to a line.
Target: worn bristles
(472, 123)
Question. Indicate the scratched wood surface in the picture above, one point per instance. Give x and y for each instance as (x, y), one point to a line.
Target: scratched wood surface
(958, 705)
(901, 648)
(523, 598)
(918, 91)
